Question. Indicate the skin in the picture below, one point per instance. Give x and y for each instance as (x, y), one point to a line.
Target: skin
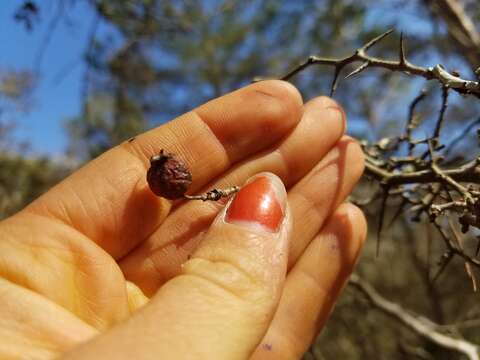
(100, 266)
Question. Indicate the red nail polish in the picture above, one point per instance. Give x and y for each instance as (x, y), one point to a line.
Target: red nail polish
(257, 203)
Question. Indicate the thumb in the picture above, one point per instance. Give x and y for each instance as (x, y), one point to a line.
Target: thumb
(222, 303)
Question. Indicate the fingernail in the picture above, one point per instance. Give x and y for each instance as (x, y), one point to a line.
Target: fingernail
(259, 204)
(338, 112)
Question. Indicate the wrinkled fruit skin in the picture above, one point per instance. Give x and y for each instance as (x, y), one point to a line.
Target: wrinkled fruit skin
(168, 177)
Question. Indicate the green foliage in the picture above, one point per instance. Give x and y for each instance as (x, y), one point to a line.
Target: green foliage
(15, 85)
(23, 179)
(106, 121)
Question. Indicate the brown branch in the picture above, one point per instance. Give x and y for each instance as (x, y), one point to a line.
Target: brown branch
(469, 172)
(441, 115)
(420, 325)
(455, 205)
(444, 177)
(453, 249)
(459, 242)
(465, 324)
(412, 122)
(381, 218)
(436, 72)
(426, 172)
(426, 201)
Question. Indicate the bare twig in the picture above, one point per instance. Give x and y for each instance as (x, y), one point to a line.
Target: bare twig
(417, 323)
(443, 263)
(436, 72)
(454, 249)
(428, 180)
(455, 205)
(381, 218)
(465, 324)
(459, 242)
(447, 179)
(441, 115)
(412, 121)
(468, 172)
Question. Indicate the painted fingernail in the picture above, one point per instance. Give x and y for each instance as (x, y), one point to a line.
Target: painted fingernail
(259, 204)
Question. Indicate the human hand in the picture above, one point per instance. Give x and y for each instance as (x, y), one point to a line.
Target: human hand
(76, 263)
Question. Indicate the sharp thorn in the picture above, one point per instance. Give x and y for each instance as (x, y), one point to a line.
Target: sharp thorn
(445, 261)
(402, 57)
(358, 70)
(335, 81)
(381, 219)
(375, 40)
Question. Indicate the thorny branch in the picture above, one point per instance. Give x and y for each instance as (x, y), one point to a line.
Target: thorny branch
(419, 324)
(420, 177)
(437, 72)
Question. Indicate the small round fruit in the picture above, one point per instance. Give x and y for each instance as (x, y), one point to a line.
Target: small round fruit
(168, 177)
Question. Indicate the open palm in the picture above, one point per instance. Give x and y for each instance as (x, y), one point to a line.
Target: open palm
(87, 254)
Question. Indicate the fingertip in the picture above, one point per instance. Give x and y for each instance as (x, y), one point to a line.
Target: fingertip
(349, 224)
(357, 218)
(327, 111)
(283, 90)
(285, 100)
(324, 102)
(355, 146)
(355, 155)
(252, 118)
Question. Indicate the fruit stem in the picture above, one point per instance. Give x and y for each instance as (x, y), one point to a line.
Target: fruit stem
(214, 195)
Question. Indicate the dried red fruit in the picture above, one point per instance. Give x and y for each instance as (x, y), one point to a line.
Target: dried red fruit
(168, 177)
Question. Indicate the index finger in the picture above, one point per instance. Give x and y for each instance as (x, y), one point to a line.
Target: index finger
(108, 200)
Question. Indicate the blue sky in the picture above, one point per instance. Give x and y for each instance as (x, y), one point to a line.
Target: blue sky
(55, 97)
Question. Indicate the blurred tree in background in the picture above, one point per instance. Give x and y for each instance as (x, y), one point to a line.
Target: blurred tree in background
(22, 178)
(162, 58)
